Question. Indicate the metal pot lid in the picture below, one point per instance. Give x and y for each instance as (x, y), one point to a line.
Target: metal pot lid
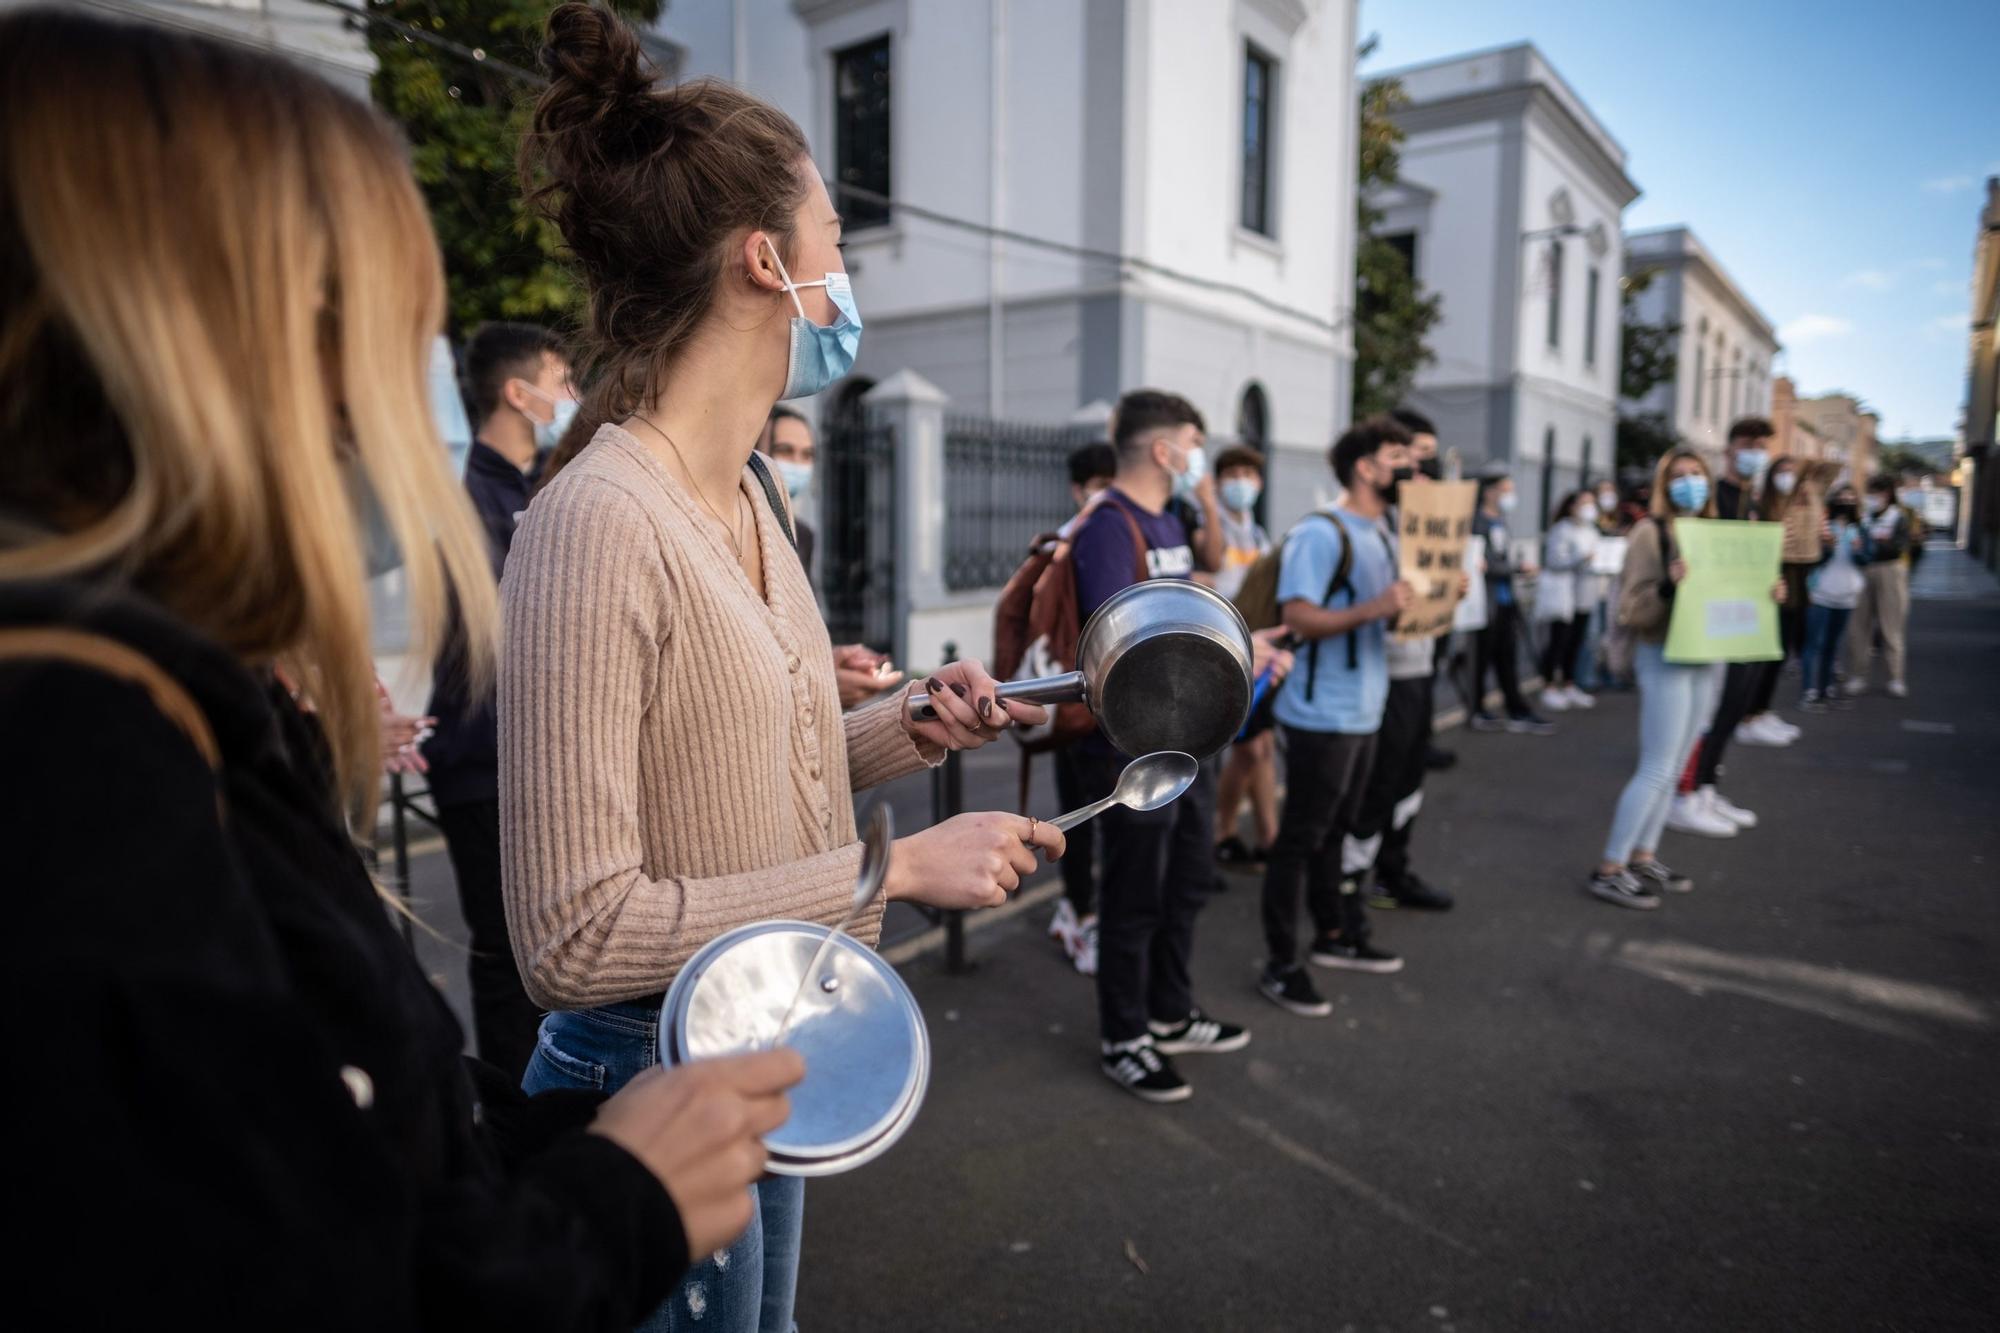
(858, 1028)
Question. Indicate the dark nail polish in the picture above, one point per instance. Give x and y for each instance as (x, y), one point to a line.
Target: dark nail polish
(958, 689)
(934, 685)
(986, 708)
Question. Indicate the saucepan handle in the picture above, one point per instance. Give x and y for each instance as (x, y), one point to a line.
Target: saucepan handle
(1064, 689)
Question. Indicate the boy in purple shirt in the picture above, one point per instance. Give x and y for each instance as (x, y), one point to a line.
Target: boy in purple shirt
(1158, 867)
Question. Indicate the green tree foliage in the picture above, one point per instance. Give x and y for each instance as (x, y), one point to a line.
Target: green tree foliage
(1647, 357)
(1392, 314)
(464, 119)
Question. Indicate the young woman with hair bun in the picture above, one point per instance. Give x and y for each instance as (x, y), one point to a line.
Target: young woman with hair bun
(674, 758)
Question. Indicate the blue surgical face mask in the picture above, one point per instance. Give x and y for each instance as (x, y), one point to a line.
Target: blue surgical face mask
(798, 477)
(1688, 493)
(1750, 462)
(1186, 480)
(563, 411)
(1507, 502)
(1239, 494)
(820, 353)
(371, 523)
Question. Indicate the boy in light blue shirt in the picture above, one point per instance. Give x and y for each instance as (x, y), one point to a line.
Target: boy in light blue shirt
(1338, 593)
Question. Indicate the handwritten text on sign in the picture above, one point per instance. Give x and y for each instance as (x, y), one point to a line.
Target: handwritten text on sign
(1723, 609)
(1433, 521)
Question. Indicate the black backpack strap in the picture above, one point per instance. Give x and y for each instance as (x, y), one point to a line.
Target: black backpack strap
(770, 485)
(1342, 581)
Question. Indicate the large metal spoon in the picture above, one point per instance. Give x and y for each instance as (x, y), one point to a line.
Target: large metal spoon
(1147, 783)
(868, 883)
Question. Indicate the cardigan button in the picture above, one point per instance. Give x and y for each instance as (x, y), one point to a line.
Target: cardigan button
(359, 1085)
(792, 662)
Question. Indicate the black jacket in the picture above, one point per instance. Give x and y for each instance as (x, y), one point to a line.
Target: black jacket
(237, 1102)
(464, 751)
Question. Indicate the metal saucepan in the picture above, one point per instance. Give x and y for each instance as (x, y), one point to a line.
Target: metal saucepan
(1162, 665)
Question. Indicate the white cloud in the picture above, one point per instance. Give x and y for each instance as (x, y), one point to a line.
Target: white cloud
(1874, 279)
(1948, 287)
(1814, 328)
(1948, 184)
(1927, 264)
(1950, 324)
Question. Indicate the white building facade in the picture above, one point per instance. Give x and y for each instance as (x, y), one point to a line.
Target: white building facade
(1723, 366)
(1510, 207)
(323, 40)
(1190, 163)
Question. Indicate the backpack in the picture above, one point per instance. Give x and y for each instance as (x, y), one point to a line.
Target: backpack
(1257, 599)
(1036, 625)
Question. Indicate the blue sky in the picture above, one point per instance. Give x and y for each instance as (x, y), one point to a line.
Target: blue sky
(1831, 156)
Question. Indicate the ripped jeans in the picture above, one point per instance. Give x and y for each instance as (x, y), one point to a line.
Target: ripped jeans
(747, 1288)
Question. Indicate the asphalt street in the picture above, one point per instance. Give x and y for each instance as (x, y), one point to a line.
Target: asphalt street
(1770, 1105)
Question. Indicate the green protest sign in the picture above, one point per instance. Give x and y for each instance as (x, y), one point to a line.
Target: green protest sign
(1723, 610)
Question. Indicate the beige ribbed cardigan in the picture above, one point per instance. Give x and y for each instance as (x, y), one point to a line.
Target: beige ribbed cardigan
(674, 761)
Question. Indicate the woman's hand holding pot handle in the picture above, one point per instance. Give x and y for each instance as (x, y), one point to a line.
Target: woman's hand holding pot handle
(969, 714)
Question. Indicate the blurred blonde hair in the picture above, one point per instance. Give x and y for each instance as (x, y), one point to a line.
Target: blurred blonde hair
(1662, 508)
(218, 291)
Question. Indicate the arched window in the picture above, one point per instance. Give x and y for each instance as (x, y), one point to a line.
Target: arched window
(1253, 417)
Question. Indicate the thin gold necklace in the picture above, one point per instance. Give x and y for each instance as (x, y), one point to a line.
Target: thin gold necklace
(733, 531)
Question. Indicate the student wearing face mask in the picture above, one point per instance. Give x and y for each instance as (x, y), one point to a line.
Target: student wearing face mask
(1833, 589)
(674, 761)
(1674, 698)
(1251, 769)
(1424, 456)
(1338, 591)
(1884, 607)
(859, 671)
(1700, 807)
(1566, 597)
(1783, 501)
(517, 390)
(1159, 866)
(1497, 646)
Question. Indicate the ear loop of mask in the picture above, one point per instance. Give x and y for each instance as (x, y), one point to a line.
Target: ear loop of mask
(790, 286)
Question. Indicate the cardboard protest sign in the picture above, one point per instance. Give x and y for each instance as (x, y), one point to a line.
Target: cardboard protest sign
(1723, 610)
(1609, 556)
(1433, 522)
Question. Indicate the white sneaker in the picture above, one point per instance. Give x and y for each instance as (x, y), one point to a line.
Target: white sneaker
(1765, 730)
(1898, 690)
(1789, 730)
(1718, 804)
(1063, 926)
(1690, 814)
(1555, 701)
(1578, 699)
(1085, 953)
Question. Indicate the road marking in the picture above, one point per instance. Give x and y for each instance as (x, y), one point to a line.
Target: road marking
(1348, 1181)
(1923, 728)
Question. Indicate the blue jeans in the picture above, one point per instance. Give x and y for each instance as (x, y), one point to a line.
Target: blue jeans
(1674, 704)
(747, 1288)
(1826, 630)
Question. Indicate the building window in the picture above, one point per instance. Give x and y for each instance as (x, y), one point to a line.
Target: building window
(1260, 95)
(1700, 370)
(1555, 293)
(1253, 418)
(1590, 293)
(861, 131)
(1404, 243)
(1715, 395)
(1547, 497)
(1583, 477)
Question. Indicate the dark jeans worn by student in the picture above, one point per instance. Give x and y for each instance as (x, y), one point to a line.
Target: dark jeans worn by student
(1326, 775)
(1159, 870)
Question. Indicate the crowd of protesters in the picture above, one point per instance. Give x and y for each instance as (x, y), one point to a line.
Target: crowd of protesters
(213, 446)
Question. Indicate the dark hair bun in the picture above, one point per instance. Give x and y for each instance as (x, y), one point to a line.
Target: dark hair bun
(600, 81)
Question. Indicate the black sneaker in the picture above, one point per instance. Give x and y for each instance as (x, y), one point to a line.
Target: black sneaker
(1812, 702)
(1660, 878)
(1292, 989)
(1410, 892)
(1362, 957)
(1530, 724)
(1622, 888)
(1437, 760)
(1232, 851)
(1485, 721)
(1141, 1070)
(1198, 1032)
